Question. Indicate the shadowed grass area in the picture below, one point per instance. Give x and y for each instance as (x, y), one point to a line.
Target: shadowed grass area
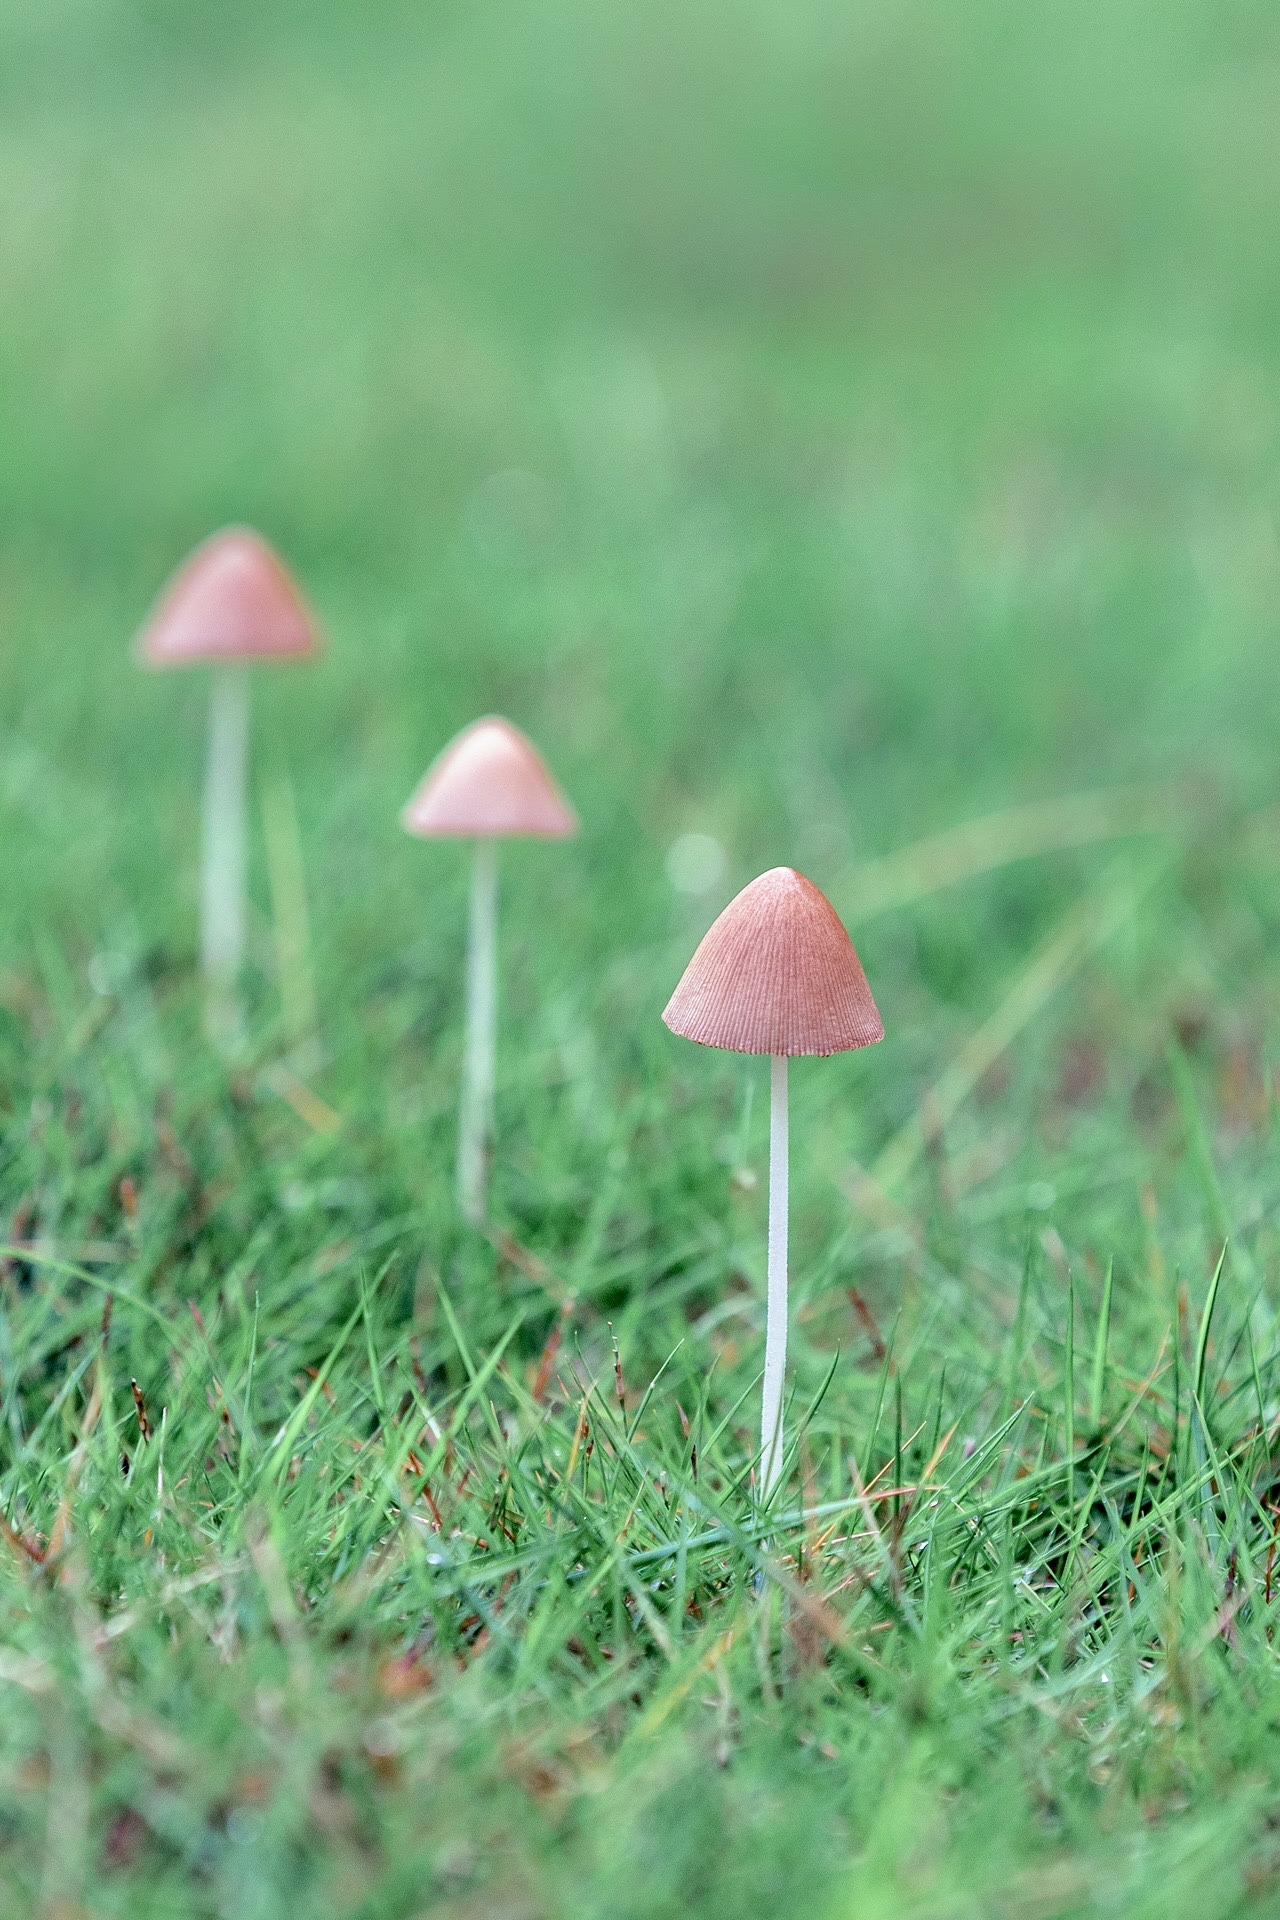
(851, 435)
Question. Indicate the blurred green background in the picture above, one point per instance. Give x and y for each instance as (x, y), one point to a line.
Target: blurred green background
(813, 421)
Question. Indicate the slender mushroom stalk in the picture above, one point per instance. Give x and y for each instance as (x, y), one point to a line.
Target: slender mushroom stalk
(476, 1111)
(775, 1339)
(776, 974)
(231, 602)
(489, 784)
(224, 845)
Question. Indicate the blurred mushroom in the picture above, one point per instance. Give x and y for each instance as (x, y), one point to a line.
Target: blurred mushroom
(776, 974)
(231, 602)
(489, 784)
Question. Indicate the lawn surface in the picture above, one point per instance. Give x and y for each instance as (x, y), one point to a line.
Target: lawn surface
(852, 434)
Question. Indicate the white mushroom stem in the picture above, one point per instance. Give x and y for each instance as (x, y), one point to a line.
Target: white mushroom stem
(222, 879)
(775, 1339)
(475, 1116)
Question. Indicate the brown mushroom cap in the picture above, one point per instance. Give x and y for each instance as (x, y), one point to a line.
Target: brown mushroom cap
(232, 599)
(490, 783)
(776, 973)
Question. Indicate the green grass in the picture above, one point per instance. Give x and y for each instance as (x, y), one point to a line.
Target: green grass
(896, 397)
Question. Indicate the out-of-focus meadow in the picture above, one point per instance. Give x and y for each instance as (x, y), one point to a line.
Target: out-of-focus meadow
(821, 427)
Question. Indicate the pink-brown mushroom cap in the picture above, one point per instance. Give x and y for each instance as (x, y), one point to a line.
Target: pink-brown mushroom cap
(489, 783)
(232, 599)
(776, 973)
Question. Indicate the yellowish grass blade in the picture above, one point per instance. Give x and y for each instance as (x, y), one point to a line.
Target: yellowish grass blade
(997, 840)
(1088, 926)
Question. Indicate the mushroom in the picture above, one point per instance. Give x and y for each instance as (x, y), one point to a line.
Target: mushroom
(776, 974)
(489, 784)
(230, 602)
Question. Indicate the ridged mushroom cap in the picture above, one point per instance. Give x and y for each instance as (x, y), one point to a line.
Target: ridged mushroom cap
(490, 783)
(232, 599)
(776, 973)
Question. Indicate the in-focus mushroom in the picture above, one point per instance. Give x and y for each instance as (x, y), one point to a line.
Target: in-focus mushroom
(231, 602)
(776, 974)
(489, 784)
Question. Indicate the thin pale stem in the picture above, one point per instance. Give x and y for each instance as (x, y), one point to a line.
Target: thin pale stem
(222, 877)
(475, 1116)
(775, 1339)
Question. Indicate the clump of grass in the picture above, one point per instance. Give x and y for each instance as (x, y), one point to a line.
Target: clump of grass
(293, 1555)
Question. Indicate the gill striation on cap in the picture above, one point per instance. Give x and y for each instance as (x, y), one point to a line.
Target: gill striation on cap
(776, 973)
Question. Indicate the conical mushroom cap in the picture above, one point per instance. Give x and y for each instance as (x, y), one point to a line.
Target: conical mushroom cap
(232, 599)
(490, 783)
(776, 973)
